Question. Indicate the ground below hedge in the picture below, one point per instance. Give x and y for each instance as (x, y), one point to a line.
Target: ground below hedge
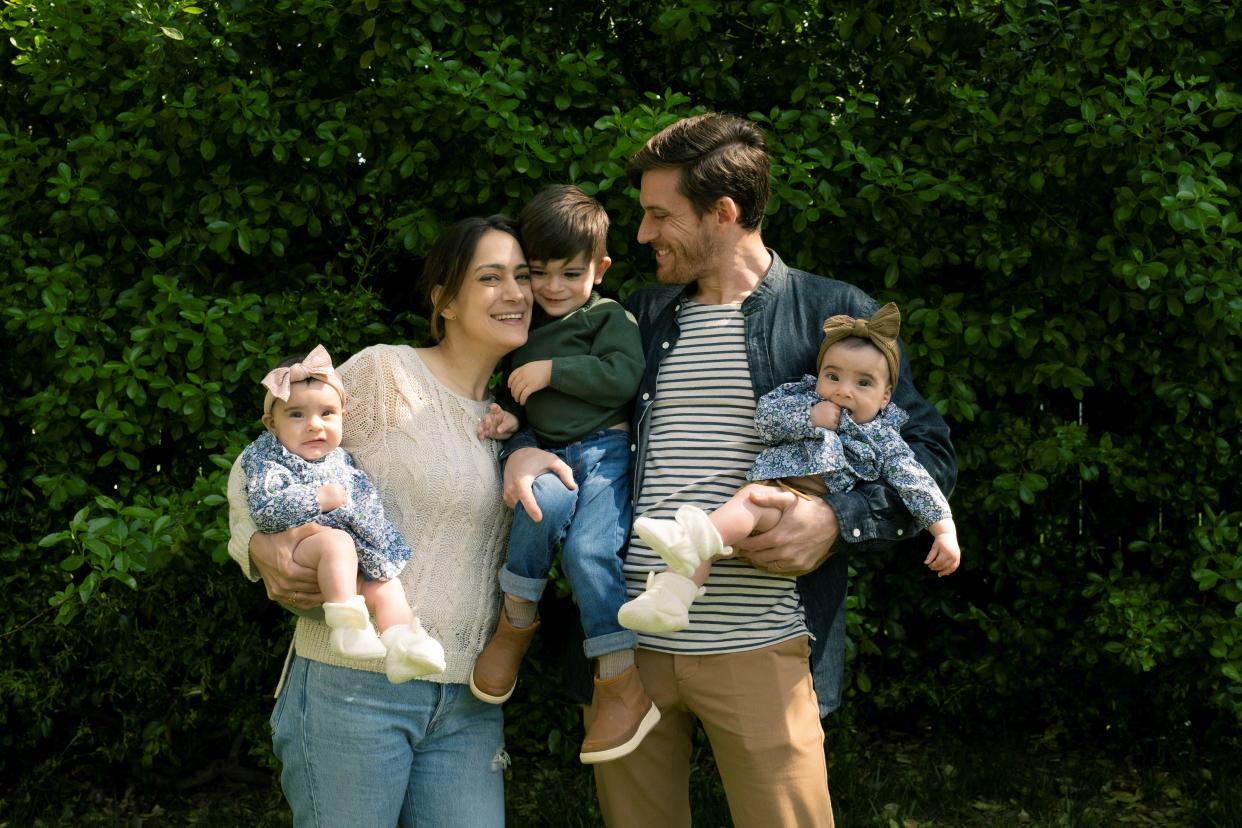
(885, 778)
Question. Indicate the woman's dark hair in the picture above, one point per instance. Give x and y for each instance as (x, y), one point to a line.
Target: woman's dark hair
(445, 267)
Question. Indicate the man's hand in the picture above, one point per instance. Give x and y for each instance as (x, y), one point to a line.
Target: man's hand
(287, 581)
(800, 542)
(826, 415)
(529, 378)
(521, 469)
(497, 424)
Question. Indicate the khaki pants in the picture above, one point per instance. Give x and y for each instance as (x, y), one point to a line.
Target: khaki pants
(760, 714)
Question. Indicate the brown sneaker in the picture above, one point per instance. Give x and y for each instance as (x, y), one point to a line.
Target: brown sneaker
(495, 671)
(624, 715)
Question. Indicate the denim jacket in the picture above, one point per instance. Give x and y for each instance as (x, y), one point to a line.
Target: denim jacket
(784, 327)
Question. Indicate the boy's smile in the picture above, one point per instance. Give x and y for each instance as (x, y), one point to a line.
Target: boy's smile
(561, 286)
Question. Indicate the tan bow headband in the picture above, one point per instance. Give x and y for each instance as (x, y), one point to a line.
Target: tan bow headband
(880, 330)
(315, 365)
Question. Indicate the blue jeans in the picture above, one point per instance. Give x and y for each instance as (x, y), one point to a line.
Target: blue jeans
(590, 524)
(356, 750)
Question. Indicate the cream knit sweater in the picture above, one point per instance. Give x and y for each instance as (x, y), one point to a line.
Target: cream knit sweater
(440, 485)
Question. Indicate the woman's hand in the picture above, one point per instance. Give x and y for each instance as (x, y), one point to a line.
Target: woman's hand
(801, 540)
(521, 469)
(286, 580)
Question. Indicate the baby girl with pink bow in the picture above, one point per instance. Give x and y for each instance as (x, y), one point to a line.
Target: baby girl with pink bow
(296, 473)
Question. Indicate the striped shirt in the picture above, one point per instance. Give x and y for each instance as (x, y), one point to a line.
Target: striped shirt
(702, 442)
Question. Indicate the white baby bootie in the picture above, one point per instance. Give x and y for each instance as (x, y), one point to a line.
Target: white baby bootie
(352, 633)
(684, 542)
(663, 607)
(411, 653)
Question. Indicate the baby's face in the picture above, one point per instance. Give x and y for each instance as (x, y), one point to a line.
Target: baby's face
(856, 379)
(309, 422)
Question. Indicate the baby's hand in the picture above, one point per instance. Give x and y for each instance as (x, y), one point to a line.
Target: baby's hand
(529, 378)
(331, 496)
(497, 424)
(945, 556)
(826, 415)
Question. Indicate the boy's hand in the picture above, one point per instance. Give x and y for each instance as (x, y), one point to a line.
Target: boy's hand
(531, 377)
(497, 424)
(826, 415)
(945, 556)
(331, 496)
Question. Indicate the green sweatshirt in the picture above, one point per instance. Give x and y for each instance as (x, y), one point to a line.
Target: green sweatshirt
(597, 362)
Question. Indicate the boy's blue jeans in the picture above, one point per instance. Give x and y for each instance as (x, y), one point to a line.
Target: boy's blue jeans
(590, 524)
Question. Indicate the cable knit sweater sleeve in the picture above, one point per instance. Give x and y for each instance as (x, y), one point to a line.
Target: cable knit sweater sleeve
(241, 525)
(440, 486)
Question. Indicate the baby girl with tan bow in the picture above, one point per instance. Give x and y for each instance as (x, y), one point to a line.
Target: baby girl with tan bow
(296, 473)
(824, 433)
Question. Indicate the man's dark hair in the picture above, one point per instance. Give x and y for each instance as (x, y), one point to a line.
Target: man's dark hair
(718, 155)
(562, 222)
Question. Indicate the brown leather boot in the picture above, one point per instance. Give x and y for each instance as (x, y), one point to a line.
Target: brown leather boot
(623, 716)
(495, 671)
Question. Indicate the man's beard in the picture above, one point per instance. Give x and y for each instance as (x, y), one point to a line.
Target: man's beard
(688, 262)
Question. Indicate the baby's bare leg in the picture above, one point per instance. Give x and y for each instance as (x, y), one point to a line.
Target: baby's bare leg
(333, 556)
(700, 575)
(387, 600)
(740, 517)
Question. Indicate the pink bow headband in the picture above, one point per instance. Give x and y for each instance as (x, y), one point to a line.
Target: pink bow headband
(315, 365)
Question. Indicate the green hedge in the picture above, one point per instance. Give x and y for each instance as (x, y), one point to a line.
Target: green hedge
(1048, 189)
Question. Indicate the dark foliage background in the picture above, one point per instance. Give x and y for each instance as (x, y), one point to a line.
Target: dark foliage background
(188, 192)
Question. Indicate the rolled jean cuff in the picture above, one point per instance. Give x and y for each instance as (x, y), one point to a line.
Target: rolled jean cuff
(529, 589)
(612, 642)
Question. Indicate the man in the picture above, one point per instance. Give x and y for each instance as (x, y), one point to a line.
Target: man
(762, 659)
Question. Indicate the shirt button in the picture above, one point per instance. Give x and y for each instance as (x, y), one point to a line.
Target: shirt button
(857, 533)
(900, 532)
(646, 396)
(633, 447)
(664, 346)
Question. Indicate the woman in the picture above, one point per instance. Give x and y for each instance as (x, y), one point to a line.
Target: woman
(356, 749)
